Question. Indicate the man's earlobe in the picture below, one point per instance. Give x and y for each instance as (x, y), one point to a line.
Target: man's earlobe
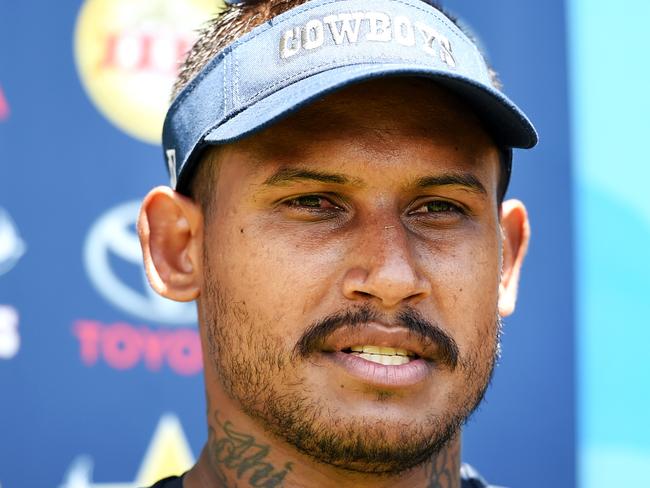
(515, 228)
(170, 227)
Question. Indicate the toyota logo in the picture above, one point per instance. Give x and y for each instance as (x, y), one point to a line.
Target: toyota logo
(113, 239)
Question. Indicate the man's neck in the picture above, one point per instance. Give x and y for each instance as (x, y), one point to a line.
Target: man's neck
(238, 455)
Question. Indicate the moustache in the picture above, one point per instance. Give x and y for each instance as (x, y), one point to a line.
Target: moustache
(408, 318)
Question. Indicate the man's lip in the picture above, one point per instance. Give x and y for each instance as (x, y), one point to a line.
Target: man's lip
(378, 334)
(379, 375)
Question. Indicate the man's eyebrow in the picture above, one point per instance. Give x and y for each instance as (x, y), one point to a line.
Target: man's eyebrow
(466, 180)
(285, 176)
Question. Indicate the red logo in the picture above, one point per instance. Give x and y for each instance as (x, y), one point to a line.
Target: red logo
(4, 106)
(146, 52)
(123, 346)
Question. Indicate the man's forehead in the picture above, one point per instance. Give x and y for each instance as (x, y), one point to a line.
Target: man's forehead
(265, 162)
(386, 116)
(412, 101)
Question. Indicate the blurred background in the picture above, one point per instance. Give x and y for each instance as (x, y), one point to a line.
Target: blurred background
(100, 380)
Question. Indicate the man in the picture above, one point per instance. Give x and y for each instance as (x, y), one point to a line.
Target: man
(339, 169)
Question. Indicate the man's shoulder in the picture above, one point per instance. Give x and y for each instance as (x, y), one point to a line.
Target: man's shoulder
(171, 482)
(470, 478)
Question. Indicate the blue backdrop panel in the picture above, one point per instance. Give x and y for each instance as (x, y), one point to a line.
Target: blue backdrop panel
(99, 379)
(610, 79)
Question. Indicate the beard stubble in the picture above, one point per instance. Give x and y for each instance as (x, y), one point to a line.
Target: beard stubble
(259, 372)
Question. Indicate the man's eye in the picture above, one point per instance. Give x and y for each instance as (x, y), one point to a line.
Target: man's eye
(310, 202)
(438, 206)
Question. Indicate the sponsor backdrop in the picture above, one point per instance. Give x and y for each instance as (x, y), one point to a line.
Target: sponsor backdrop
(100, 379)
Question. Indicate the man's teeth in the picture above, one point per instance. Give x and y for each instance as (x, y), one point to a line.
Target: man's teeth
(385, 360)
(388, 351)
(389, 356)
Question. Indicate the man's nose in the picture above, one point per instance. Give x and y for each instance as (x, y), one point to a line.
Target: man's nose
(385, 268)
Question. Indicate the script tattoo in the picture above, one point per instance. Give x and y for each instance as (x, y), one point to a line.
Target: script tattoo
(240, 453)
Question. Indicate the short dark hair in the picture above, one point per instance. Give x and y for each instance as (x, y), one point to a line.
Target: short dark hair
(233, 22)
(236, 20)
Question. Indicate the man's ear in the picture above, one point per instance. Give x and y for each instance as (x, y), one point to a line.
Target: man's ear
(516, 234)
(170, 227)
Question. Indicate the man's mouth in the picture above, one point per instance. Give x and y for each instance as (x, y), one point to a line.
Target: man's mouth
(381, 354)
(388, 356)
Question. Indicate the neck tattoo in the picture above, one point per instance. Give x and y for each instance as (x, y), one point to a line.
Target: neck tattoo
(444, 468)
(240, 457)
(244, 458)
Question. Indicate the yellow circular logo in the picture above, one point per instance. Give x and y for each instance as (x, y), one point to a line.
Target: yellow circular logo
(128, 52)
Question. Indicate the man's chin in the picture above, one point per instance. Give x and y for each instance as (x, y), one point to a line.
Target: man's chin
(358, 443)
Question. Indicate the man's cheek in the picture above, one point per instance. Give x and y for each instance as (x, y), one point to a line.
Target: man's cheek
(464, 283)
(267, 285)
(285, 258)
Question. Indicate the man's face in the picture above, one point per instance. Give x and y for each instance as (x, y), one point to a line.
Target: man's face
(368, 220)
